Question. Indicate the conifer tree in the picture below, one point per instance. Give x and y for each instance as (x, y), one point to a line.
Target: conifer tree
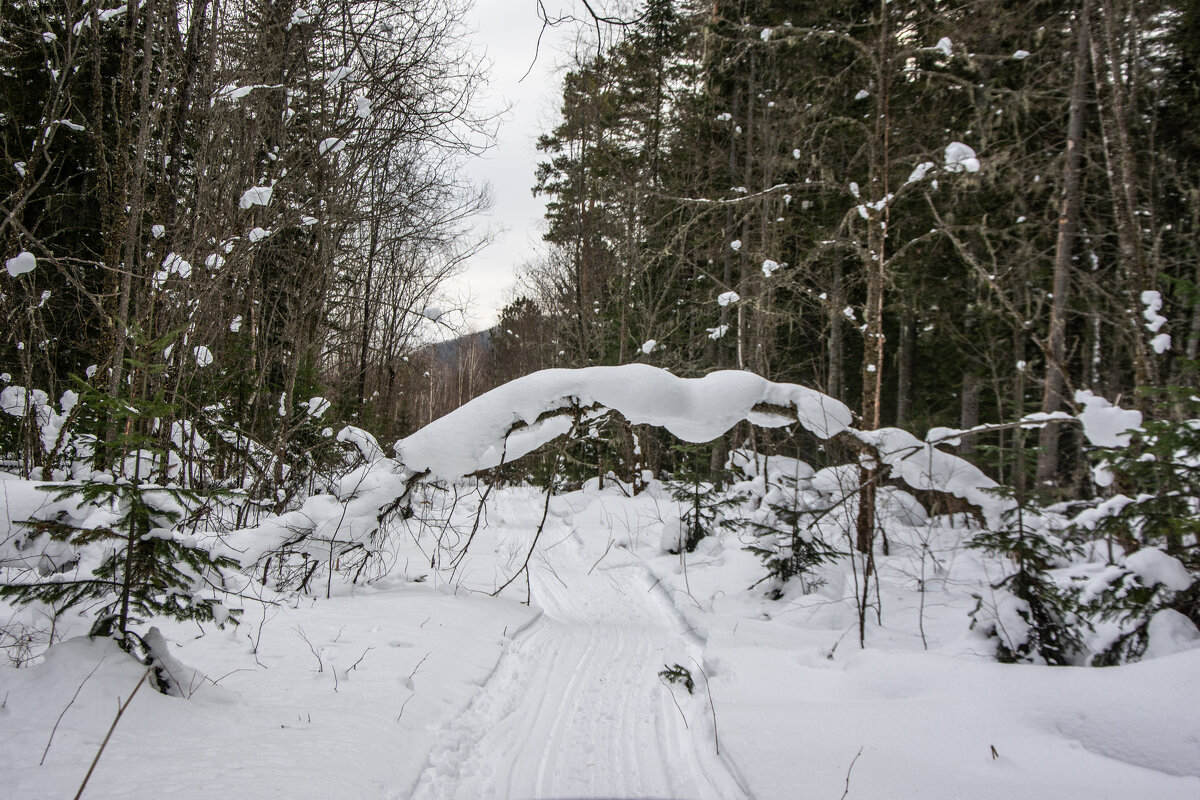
(140, 559)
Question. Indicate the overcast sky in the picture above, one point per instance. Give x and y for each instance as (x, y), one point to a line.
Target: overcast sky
(507, 31)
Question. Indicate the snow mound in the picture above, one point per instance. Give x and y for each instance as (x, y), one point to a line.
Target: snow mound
(1170, 633)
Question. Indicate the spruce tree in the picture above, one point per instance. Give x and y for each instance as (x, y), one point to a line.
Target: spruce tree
(706, 506)
(1031, 618)
(134, 557)
(788, 543)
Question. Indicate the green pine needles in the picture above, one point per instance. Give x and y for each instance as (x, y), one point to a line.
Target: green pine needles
(127, 555)
(700, 491)
(787, 542)
(1031, 618)
(143, 565)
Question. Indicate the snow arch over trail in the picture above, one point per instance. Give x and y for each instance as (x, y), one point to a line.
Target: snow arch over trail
(518, 417)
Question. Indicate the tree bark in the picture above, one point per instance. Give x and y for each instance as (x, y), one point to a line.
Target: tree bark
(1053, 396)
(905, 356)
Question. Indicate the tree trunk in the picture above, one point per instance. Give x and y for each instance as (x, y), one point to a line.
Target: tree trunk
(876, 267)
(1056, 379)
(905, 357)
(969, 413)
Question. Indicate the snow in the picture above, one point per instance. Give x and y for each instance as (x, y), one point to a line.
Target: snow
(648, 346)
(299, 17)
(959, 157)
(1020, 55)
(334, 77)
(1161, 343)
(507, 422)
(769, 267)
(173, 264)
(944, 46)
(735, 245)
(21, 263)
(333, 144)
(256, 196)
(1153, 566)
(919, 172)
(432, 689)
(157, 231)
(862, 94)
(923, 466)
(362, 441)
(1153, 302)
(1104, 424)
(413, 682)
(203, 356)
(717, 332)
(1170, 632)
(362, 106)
(15, 400)
(365, 738)
(257, 234)
(111, 14)
(728, 298)
(317, 406)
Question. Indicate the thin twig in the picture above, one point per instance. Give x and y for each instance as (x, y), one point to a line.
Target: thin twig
(360, 658)
(848, 771)
(538, 534)
(601, 558)
(316, 655)
(64, 711)
(413, 674)
(404, 705)
(111, 728)
(676, 702)
(711, 705)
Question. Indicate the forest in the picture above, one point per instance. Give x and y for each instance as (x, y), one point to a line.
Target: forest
(870, 325)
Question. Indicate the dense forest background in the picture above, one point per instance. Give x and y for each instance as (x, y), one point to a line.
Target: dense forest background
(233, 208)
(943, 213)
(227, 226)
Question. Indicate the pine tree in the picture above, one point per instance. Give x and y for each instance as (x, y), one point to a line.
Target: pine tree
(140, 560)
(707, 507)
(1031, 618)
(788, 544)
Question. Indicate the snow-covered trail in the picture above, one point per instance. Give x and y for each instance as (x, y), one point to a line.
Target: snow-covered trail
(575, 707)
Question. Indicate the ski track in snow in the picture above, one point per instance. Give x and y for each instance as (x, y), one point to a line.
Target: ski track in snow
(575, 707)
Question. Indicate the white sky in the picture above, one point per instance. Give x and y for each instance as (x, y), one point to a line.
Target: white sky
(507, 31)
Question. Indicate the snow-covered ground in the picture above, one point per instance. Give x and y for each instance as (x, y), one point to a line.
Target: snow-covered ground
(423, 685)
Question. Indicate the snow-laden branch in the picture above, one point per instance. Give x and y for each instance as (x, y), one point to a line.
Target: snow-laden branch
(521, 416)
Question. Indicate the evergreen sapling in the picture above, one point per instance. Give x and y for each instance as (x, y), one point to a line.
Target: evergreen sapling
(1031, 618)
